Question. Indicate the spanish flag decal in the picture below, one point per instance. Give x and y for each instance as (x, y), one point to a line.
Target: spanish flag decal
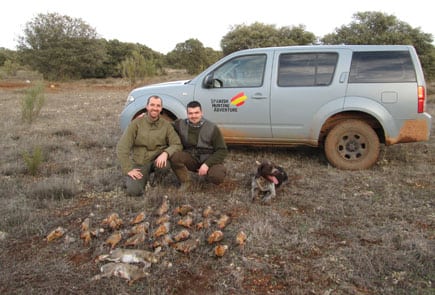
(239, 99)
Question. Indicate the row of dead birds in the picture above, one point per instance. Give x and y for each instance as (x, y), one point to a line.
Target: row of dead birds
(124, 261)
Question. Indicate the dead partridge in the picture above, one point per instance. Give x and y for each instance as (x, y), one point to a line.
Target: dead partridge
(220, 250)
(113, 221)
(207, 212)
(139, 228)
(85, 224)
(186, 246)
(186, 221)
(138, 219)
(164, 207)
(86, 237)
(135, 240)
(164, 241)
(114, 239)
(162, 219)
(241, 238)
(182, 235)
(223, 221)
(163, 229)
(56, 233)
(215, 236)
(203, 224)
(183, 209)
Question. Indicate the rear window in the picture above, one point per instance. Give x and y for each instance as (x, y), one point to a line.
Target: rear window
(306, 69)
(382, 67)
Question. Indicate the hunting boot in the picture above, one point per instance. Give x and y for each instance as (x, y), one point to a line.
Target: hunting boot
(159, 175)
(183, 177)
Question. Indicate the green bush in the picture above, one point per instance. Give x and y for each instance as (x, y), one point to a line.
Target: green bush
(32, 103)
(33, 160)
(135, 68)
(11, 67)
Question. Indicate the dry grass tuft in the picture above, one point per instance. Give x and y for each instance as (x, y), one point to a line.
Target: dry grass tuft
(53, 188)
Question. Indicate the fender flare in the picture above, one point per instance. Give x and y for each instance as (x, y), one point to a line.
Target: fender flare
(354, 104)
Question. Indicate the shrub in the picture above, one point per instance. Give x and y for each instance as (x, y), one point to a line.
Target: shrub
(136, 67)
(32, 103)
(11, 68)
(34, 160)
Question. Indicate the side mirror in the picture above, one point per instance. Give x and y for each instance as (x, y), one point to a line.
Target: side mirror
(211, 82)
(208, 81)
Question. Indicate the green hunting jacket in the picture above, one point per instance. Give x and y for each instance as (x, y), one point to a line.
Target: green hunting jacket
(144, 140)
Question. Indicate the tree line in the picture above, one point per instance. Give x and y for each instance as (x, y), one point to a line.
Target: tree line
(63, 48)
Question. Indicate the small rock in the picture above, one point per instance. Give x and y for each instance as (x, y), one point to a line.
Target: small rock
(3, 235)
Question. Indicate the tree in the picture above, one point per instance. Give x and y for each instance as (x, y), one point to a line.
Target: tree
(116, 53)
(262, 35)
(6, 54)
(61, 47)
(211, 56)
(192, 56)
(9, 64)
(379, 28)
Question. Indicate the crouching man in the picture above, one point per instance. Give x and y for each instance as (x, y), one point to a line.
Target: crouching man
(146, 147)
(204, 148)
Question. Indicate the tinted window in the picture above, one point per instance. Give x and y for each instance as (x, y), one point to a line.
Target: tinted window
(381, 67)
(244, 71)
(306, 69)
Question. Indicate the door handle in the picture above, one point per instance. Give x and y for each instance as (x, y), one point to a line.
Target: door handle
(343, 77)
(258, 96)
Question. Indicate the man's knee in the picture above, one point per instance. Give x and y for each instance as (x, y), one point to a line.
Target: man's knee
(178, 158)
(216, 174)
(135, 187)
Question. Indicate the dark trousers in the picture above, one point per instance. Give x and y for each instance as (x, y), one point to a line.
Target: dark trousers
(183, 161)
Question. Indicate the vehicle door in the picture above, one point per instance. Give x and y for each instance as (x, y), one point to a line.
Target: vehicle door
(238, 98)
(305, 84)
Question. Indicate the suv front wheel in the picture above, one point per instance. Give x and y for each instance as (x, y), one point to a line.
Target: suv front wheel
(352, 145)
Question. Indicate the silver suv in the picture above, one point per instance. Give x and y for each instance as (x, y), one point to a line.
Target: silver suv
(346, 99)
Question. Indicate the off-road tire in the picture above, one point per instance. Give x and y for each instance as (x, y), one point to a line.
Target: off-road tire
(352, 145)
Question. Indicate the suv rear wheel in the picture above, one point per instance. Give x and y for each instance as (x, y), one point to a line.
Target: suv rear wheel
(352, 145)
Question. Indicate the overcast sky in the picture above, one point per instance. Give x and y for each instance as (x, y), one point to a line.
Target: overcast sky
(161, 24)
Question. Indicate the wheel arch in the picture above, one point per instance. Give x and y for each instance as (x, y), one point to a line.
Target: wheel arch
(335, 119)
(367, 110)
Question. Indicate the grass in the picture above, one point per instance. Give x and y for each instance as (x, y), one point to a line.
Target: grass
(32, 102)
(33, 160)
(327, 232)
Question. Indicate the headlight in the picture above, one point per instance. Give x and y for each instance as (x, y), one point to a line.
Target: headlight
(130, 99)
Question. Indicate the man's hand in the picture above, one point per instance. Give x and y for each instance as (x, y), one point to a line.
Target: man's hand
(135, 174)
(203, 170)
(160, 161)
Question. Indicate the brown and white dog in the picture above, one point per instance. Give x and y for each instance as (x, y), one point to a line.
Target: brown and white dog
(268, 178)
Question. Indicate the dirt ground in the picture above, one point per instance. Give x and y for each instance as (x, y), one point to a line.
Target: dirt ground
(327, 232)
